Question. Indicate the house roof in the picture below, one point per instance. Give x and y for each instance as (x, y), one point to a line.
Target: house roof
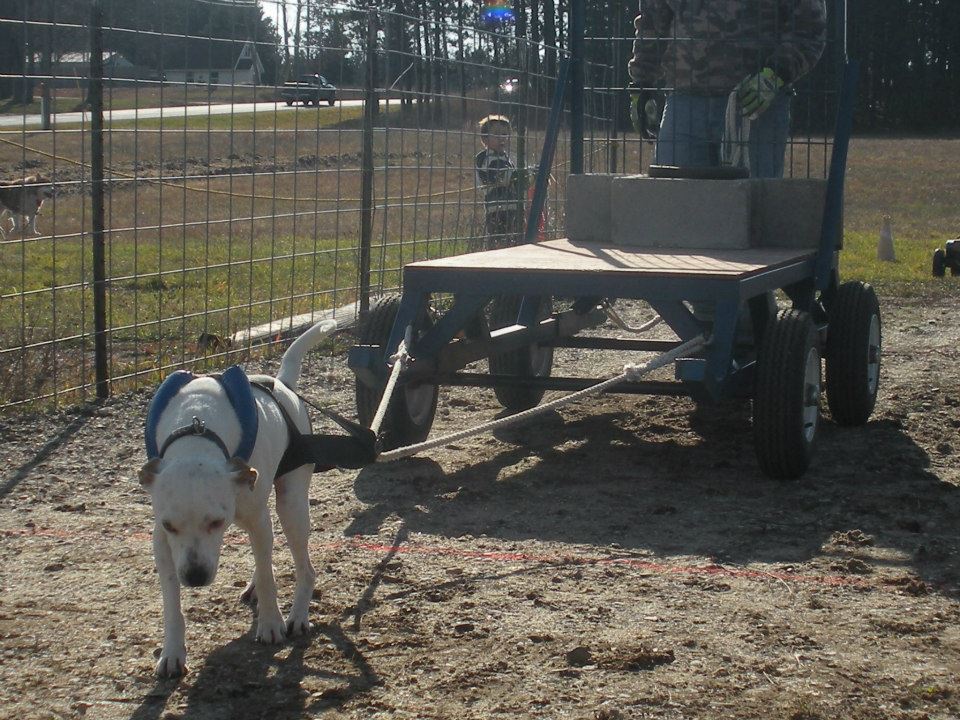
(82, 58)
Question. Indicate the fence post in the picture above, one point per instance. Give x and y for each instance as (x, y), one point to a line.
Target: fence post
(366, 163)
(95, 95)
(577, 23)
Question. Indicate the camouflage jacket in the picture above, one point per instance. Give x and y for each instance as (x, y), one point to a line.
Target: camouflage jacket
(708, 46)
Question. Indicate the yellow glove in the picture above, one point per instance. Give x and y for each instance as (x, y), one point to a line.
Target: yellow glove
(756, 93)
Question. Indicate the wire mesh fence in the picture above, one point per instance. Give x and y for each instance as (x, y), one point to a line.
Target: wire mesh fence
(219, 173)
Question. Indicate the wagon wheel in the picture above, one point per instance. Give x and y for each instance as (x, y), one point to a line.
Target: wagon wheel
(411, 411)
(853, 354)
(528, 361)
(786, 404)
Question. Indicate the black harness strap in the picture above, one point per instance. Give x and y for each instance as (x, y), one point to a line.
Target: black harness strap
(324, 452)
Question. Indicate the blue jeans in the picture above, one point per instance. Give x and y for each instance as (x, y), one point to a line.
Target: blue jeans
(691, 133)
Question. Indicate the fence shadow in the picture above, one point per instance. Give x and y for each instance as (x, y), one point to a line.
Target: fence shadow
(62, 436)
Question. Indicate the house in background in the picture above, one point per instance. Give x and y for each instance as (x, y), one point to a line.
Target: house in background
(218, 63)
(70, 68)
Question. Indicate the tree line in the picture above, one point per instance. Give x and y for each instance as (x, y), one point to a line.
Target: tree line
(909, 49)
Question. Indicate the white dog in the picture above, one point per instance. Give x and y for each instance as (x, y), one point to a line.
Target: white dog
(200, 483)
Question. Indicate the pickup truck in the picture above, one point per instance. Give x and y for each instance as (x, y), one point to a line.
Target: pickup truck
(308, 89)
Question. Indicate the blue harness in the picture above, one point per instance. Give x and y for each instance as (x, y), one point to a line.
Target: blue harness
(235, 384)
(323, 452)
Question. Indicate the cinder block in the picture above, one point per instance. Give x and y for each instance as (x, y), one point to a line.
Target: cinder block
(788, 212)
(680, 213)
(588, 207)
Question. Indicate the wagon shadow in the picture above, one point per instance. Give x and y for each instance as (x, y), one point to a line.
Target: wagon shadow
(694, 489)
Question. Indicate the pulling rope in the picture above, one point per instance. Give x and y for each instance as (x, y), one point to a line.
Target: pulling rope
(617, 320)
(631, 373)
(400, 359)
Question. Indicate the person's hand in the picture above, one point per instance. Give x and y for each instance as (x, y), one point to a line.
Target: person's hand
(645, 112)
(756, 93)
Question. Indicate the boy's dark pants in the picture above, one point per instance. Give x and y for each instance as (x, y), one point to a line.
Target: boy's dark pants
(504, 228)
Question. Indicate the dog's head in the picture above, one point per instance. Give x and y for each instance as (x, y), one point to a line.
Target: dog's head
(44, 187)
(194, 501)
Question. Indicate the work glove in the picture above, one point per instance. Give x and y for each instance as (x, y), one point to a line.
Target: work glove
(756, 93)
(646, 109)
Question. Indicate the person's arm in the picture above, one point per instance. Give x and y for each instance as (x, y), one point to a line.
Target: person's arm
(486, 176)
(498, 170)
(803, 36)
(653, 28)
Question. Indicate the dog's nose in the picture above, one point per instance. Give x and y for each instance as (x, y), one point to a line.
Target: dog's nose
(196, 576)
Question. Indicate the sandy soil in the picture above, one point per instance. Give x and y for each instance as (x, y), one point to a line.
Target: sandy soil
(621, 558)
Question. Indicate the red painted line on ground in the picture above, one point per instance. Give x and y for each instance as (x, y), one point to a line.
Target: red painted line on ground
(357, 543)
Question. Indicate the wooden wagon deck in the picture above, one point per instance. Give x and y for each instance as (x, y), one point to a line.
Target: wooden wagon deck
(567, 268)
(565, 256)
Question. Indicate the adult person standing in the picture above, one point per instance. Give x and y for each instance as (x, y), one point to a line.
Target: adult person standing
(730, 66)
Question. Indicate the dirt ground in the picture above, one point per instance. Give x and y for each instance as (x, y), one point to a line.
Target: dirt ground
(620, 558)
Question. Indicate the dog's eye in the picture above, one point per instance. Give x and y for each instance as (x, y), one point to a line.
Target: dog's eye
(168, 526)
(214, 525)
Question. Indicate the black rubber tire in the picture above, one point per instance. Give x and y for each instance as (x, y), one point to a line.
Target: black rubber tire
(853, 353)
(289, 103)
(331, 101)
(412, 409)
(939, 263)
(787, 396)
(528, 361)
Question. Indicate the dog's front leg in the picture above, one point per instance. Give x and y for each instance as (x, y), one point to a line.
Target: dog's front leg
(293, 509)
(173, 657)
(269, 619)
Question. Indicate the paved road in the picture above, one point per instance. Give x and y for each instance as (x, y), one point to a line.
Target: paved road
(19, 121)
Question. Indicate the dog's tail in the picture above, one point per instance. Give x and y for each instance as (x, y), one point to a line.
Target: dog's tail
(289, 373)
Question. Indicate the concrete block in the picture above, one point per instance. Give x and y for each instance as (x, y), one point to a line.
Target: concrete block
(787, 213)
(681, 213)
(588, 207)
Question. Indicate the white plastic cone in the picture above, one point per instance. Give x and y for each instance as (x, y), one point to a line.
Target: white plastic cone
(885, 244)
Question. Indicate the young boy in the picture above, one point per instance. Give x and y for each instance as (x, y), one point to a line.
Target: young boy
(497, 175)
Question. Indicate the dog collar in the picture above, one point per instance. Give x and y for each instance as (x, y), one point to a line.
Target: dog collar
(235, 384)
(197, 428)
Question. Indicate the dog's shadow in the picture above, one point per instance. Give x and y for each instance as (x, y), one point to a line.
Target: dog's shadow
(246, 679)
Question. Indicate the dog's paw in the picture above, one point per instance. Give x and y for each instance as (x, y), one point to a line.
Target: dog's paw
(298, 625)
(270, 631)
(249, 595)
(173, 664)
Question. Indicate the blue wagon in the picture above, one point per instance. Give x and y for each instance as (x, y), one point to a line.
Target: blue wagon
(504, 308)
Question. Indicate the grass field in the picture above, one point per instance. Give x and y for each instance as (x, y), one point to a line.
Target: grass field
(216, 224)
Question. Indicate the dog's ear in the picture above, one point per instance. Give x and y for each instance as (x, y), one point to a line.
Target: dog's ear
(243, 474)
(148, 473)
